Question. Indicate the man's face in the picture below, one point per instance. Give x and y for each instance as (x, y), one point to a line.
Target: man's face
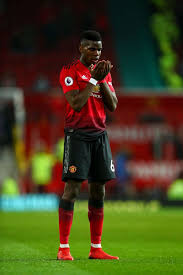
(90, 51)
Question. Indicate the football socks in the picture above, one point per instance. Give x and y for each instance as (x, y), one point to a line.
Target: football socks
(65, 220)
(96, 217)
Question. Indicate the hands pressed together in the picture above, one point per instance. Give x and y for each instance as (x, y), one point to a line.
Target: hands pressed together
(101, 70)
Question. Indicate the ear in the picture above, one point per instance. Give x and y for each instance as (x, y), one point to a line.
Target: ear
(80, 48)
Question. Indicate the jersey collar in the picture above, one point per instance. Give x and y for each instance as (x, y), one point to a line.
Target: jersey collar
(82, 66)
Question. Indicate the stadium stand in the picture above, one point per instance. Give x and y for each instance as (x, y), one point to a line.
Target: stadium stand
(40, 37)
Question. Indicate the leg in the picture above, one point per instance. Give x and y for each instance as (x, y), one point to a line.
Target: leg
(71, 190)
(97, 191)
(101, 168)
(66, 208)
(95, 211)
(76, 164)
(96, 216)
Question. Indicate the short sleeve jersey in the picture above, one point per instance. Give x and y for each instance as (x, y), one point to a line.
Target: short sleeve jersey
(92, 115)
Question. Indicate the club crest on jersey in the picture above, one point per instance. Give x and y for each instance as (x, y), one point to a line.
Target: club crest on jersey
(68, 81)
(72, 169)
(96, 89)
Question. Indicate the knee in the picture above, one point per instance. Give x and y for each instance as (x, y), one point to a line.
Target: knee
(71, 192)
(97, 193)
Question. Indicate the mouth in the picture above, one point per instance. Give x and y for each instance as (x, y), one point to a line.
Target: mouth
(95, 60)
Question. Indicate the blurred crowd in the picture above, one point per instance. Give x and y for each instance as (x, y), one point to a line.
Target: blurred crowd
(153, 173)
(36, 36)
(167, 27)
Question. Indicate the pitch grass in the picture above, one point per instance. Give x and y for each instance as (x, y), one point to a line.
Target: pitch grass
(148, 240)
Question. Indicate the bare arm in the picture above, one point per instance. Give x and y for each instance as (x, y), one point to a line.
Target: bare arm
(78, 99)
(109, 98)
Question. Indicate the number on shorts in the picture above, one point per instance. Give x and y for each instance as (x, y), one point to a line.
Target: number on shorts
(112, 166)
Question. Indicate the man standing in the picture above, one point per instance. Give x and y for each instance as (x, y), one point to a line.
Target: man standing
(87, 85)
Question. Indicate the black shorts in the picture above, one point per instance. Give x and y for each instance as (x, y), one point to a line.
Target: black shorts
(87, 156)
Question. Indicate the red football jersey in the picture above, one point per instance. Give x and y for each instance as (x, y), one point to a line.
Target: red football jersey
(92, 115)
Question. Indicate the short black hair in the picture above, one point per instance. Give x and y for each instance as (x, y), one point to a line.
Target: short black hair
(90, 35)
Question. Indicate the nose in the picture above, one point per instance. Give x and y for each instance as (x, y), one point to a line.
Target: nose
(97, 53)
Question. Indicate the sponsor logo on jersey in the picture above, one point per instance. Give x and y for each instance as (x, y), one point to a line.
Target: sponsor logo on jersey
(96, 91)
(68, 81)
(72, 169)
(96, 95)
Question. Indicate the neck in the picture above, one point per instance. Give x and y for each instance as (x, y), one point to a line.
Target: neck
(84, 62)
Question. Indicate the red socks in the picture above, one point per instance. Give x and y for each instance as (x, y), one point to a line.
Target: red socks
(65, 220)
(96, 216)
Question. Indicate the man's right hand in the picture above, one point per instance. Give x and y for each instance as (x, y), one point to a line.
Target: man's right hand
(101, 70)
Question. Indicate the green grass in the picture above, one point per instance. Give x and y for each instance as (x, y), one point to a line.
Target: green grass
(148, 240)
